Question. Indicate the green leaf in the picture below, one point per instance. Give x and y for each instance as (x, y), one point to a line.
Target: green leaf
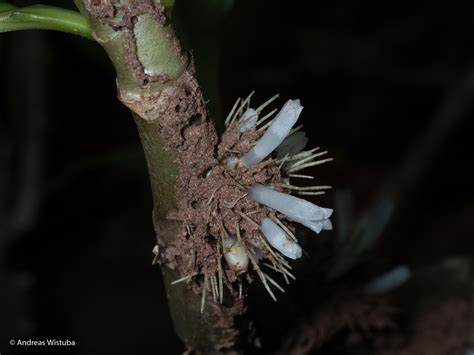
(43, 17)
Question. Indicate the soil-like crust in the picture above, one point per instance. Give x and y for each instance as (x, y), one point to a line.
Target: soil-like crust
(210, 195)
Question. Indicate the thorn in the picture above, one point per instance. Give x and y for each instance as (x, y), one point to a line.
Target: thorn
(255, 264)
(278, 269)
(203, 297)
(261, 275)
(306, 188)
(224, 232)
(294, 169)
(288, 273)
(248, 219)
(185, 278)
(272, 252)
(231, 113)
(285, 228)
(273, 282)
(282, 161)
(232, 151)
(237, 230)
(212, 195)
(251, 212)
(307, 159)
(266, 162)
(282, 261)
(301, 176)
(310, 193)
(266, 103)
(232, 205)
(294, 130)
(303, 154)
(215, 291)
(286, 278)
(282, 270)
(188, 228)
(241, 107)
(247, 100)
(265, 126)
(264, 118)
(219, 272)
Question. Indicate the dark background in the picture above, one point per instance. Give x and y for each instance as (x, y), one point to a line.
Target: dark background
(387, 88)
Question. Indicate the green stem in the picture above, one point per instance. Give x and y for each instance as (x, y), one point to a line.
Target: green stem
(43, 17)
(156, 82)
(4, 6)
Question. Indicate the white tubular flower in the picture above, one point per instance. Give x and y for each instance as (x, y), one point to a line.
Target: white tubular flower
(293, 144)
(275, 134)
(280, 240)
(295, 208)
(235, 254)
(389, 281)
(249, 119)
(316, 226)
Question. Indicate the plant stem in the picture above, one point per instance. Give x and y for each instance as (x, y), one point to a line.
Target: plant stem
(4, 6)
(156, 81)
(43, 17)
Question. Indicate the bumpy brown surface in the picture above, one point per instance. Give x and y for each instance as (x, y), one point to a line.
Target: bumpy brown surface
(211, 197)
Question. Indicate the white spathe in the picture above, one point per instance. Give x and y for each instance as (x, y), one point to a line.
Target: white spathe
(275, 134)
(316, 226)
(294, 207)
(249, 119)
(235, 254)
(389, 281)
(278, 239)
(292, 145)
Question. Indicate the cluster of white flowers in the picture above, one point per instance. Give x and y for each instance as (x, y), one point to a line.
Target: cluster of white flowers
(276, 144)
(288, 144)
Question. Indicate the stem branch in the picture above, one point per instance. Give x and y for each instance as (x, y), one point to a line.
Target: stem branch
(43, 17)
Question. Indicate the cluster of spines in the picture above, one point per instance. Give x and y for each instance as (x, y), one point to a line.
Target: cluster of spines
(275, 237)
